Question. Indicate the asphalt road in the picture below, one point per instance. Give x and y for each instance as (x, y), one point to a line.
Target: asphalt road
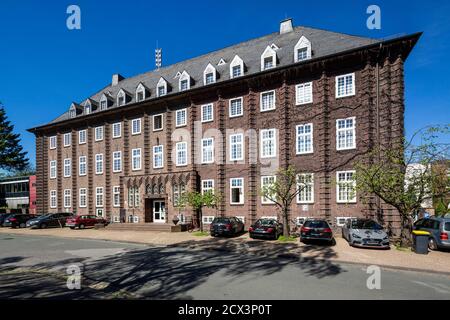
(36, 267)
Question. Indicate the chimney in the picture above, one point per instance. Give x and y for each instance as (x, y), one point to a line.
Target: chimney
(116, 78)
(286, 26)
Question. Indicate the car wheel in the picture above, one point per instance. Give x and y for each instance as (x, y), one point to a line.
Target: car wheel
(22, 225)
(43, 226)
(432, 244)
(81, 226)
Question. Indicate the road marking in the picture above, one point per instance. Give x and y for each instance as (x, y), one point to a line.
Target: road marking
(435, 286)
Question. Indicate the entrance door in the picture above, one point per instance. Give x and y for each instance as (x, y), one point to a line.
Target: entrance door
(159, 212)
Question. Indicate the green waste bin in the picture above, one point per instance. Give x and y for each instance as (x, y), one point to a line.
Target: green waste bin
(420, 241)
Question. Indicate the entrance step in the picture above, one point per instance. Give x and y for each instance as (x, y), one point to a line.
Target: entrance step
(142, 227)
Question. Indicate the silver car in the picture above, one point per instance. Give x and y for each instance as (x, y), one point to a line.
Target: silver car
(365, 233)
(439, 229)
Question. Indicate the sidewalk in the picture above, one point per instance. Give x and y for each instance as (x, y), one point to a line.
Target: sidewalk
(435, 261)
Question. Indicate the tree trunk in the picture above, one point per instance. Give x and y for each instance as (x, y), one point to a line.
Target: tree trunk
(285, 223)
(405, 235)
(200, 216)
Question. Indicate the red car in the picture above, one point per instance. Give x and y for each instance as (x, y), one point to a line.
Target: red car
(84, 221)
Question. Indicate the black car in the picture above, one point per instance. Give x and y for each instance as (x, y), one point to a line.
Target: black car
(3, 217)
(226, 226)
(316, 230)
(49, 220)
(266, 228)
(17, 220)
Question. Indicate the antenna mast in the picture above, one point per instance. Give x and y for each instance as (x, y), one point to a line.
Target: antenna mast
(158, 56)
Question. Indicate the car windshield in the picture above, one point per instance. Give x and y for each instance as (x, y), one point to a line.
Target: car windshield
(265, 222)
(221, 220)
(316, 224)
(447, 226)
(366, 224)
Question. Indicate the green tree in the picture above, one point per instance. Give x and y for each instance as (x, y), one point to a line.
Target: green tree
(403, 177)
(12, 156)
(197, 201)
(282, 192)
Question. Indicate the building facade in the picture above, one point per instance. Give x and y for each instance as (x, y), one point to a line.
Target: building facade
(18, 194)
(227, 121)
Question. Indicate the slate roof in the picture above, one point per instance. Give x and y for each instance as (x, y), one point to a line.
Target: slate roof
(323, 43)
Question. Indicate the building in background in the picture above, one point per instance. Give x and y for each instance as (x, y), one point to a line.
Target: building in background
(226, 121)
(18, 194)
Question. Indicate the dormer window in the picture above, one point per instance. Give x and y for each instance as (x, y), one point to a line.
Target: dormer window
(302, 50)
(209, 75)
(236, 67)
(140, 93)
(87, 109)
(268, 59)
(103, 102)
(121, 98)
(73, 112)
(184, 81)
(161, 87)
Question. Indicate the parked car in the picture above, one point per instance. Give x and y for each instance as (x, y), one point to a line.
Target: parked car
(439, 229)
(226, 226)
(83, 221)
(49, 220)
(365, 233)
(3, 217)
(316, 229)
(266, 228)
(17, 220)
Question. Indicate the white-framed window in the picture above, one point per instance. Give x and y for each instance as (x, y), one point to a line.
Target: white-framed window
(117, 130)
(158, 157)
(345, 187)
(116, 219)
(53, 169)
(345, 85)
(207, 112)
(304, 133)
(268, 59)
(82, 136)
(87, 108)
(67, 139)
(237, 190)
(208, 150)
(180, 117)
(121, 98)
(184, 83)
(136, 159)
(306, 188)
(52, 142)
(72, 112)
(157, 122)
(67, 198)
(267, 181)
(53, 199)
(161, 87)
(236, 67)
(209, 75)
(303, 93)
(83, 198)
(207, 185)
(268, 143)
(236, 108)
(136, 126)
(267, 101)
(103, 102)
(99, 133)
(116, 196)
(67, 168)
(346, 133)
(181, 153)
(117, 161)
(302, 50)
(140, 93)
(99, 197)
(99, 163)
(341, 221)
(207, 219)
(82, 166)
(237, 147)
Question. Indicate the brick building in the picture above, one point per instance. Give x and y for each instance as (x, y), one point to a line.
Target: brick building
(227, 121)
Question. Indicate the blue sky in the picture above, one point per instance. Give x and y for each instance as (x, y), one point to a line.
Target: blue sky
(44, 66)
